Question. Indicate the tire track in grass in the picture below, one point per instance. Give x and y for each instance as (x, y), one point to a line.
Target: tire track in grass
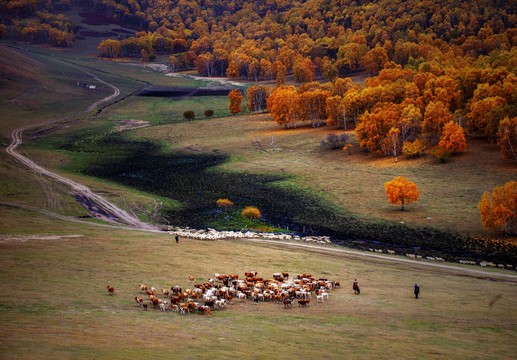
(107, 210)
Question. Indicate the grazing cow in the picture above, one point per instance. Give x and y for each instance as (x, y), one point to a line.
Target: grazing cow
(320, 299)
(210, 303)
(203, 309)
(143, 287)
(153, 290)
(111, 290)
(303, 302)
(166, 292)
(288, 303)
(139, 301)
(191, 279)
(285, 275)
(163, 307)
(150, 293)
(176, 289)
(145, 306)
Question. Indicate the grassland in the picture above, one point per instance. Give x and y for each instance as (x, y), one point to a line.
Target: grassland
(54, 302)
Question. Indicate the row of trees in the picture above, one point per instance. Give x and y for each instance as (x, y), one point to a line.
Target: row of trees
(401, 109)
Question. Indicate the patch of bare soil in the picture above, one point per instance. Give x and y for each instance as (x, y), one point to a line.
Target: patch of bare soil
(25, 238)
(130, 124)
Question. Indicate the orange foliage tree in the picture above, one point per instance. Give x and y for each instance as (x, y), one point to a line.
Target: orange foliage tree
(235, 97)
(507, 138)
(453, 138)
(251, 213)
(401, 191)
(282, 106)
(373, 128)
(499, 208)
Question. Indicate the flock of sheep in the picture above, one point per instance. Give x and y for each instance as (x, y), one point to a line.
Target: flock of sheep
(222, 290)
(212, 234)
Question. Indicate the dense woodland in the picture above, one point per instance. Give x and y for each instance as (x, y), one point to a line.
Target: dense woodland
(445, 68)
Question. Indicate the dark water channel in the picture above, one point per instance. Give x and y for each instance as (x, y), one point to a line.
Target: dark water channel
(193, 179)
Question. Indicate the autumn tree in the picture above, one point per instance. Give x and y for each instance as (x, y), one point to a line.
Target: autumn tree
(435, 118)
(507, 138)
(279, 71)
(303, 70)
(336, 111)
(414, 149)
(394, 137)
(282, 105)
(251, 213)
(499, 208)
(453, 138)
(235, 98)
(109, 48)
(257, 96)
(373, 128)
(401, 191)
(224, 203)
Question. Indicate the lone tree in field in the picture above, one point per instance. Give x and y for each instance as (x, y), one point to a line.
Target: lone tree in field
(401, 191)
(251, 213)
(209, 113)
(499, 208)
(235, 97)
(189, 115)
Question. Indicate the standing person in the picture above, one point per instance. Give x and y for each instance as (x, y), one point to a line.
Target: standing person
(417, 291)
(356, 287)
(177, 238)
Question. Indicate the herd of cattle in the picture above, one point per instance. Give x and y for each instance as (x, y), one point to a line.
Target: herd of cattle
(222, 290)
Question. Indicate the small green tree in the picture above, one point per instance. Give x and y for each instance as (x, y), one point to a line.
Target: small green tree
(209, 113)
(189, 115)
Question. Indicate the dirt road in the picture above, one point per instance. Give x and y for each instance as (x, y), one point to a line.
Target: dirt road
(101, 207)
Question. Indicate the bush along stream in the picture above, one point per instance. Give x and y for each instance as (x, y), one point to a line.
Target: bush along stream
(193, 179)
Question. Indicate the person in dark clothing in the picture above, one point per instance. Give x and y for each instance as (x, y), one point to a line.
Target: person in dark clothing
(356, 287)
(177, 239)
(417, 291)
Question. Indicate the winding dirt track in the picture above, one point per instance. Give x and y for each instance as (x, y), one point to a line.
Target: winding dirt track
(112, 212)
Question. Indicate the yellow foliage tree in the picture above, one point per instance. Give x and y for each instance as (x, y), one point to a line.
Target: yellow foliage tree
(224, 203)
(401, 191)
(499, 208)
(251, 213)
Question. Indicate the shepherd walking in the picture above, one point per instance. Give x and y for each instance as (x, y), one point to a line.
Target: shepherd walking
(417, 291)
(355, 286)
